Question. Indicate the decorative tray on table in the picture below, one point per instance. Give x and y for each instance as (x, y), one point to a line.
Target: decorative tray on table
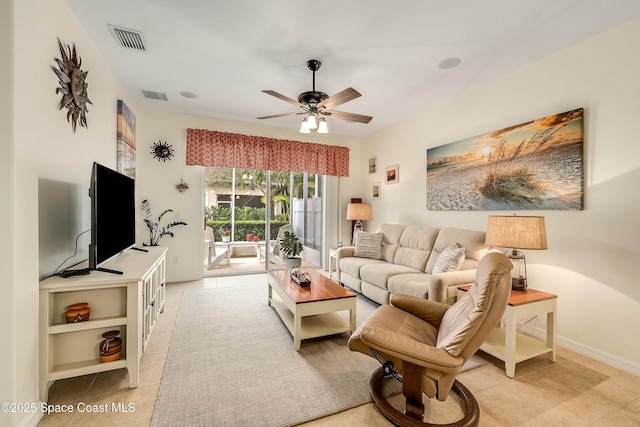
(300, 277)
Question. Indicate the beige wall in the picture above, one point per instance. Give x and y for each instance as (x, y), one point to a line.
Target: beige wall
(591, 253)
(7, 216)
(43, 147)
(592, 258)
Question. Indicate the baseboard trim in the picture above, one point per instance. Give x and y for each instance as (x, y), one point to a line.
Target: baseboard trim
(33, 418)
(593, 353)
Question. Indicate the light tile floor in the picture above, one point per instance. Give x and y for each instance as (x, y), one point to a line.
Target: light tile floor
(574, 391)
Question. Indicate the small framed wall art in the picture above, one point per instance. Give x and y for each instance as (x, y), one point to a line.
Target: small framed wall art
(392, 175)
(372, 164)
(375, 190)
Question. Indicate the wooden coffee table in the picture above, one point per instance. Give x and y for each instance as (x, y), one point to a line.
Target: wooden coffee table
(311, 311)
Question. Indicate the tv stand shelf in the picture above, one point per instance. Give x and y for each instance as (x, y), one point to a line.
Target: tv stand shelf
(89, 324)
(130, 302)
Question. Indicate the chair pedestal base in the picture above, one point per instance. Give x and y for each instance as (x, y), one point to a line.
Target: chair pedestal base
(415, 408)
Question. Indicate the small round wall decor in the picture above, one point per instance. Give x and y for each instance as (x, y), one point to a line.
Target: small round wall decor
(162, 151)
(73, 86)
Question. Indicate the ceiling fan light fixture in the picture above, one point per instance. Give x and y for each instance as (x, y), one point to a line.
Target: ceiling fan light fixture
(304, 127)
(315, 104)
(322, 126)
(311, 121)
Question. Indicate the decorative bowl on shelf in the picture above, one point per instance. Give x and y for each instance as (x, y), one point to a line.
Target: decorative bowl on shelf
(78, 312)
(110, 358)
(110, 347)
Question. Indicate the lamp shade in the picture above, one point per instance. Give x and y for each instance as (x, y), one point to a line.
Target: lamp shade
(518, 232)
(359, 211)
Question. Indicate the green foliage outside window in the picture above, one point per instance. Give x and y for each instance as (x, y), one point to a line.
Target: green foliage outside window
(243, 228)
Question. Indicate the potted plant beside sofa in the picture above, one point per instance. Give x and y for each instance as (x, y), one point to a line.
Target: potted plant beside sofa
(291, 247)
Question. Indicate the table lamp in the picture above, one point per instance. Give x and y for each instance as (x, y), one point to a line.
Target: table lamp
(517, 232)
(358, 212)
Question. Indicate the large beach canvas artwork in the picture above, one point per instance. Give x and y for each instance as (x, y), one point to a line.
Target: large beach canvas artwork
(126, 161)
(537, 165)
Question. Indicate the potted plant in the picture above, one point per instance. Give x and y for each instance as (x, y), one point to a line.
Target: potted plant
(226, 234)
(155, 232)
(291, 247)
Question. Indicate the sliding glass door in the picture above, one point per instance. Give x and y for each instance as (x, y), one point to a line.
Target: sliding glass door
(307, 213)
(244, 209)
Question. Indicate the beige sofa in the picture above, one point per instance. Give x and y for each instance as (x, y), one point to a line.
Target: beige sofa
(409, 254)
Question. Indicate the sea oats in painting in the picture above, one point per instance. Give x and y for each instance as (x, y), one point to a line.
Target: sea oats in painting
(534, 165)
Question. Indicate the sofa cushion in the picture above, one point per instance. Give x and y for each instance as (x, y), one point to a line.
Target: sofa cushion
(416, 285)
(378, 274)
(392, 233)
(472, 241)
(352, 265)
(368, 245)
(450, 259)
(351, 282)
(374, 293)
(420, 237)
(415, 246)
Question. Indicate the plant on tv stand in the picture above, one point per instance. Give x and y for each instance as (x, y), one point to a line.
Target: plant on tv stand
(155, 232)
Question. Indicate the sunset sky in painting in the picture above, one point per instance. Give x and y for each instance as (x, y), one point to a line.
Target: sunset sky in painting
(568, 125)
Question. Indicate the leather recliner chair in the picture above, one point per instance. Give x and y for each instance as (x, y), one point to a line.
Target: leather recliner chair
(425, 343)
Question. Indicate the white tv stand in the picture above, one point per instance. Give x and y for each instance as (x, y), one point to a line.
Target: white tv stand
(130, 302)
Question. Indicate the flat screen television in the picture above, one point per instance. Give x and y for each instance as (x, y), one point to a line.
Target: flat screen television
(113, 218)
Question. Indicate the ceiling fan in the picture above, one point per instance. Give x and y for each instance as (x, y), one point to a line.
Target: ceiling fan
(315, 105)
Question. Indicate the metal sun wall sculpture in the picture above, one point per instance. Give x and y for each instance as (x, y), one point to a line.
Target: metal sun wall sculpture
(162, 151)
(73, 86)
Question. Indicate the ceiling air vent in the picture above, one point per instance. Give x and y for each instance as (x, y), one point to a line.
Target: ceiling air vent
(155, 95)
(128, 38)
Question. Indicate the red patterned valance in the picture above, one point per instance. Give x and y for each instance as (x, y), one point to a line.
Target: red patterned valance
(223, 149)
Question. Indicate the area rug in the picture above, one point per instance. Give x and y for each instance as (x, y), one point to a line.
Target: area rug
(231, 362)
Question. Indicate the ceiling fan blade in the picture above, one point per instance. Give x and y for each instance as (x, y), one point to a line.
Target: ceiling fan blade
(340, 98)
(352, 117)
(284, 98)
(280, 115)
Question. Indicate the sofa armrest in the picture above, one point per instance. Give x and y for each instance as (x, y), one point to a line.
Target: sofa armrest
(343, 252)
(440, 283)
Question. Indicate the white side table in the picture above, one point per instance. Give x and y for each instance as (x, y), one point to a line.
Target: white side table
(333, 268)
(511, 346)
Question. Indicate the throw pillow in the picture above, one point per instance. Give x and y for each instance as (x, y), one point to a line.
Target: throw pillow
(450, 259)
(368, 245)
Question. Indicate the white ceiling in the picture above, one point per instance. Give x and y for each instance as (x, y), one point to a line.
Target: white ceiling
(227, 51)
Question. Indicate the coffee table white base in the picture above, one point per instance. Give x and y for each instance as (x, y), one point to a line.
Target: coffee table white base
(312, 319)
